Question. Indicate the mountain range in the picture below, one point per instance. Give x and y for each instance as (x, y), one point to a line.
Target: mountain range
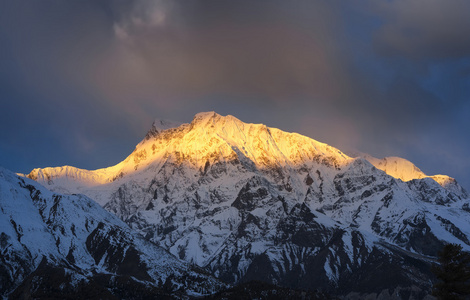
(241, 202)
(61, 246)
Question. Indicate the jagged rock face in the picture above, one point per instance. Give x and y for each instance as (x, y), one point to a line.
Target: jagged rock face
(252, 202)
(75, 237)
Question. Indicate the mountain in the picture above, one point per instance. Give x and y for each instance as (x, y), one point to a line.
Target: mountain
(66, 245)
(250, 202)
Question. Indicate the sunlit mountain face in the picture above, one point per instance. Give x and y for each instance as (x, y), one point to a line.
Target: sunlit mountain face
(249, 202)
(211, 138)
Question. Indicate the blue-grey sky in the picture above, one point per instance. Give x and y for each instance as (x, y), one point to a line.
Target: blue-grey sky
(82, 81)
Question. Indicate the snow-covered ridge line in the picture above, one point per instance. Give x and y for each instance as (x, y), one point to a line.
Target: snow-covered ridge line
(208, 138)
(405, 170)
(47, 174)
(211, 137)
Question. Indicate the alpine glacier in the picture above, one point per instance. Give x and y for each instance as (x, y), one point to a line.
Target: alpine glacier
(252, 202)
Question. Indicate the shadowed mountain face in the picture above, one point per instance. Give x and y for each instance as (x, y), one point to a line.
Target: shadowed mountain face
(58, 245)
(256, 203)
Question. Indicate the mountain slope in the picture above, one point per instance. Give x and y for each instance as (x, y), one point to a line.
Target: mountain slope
(253, 202)
(44, 232)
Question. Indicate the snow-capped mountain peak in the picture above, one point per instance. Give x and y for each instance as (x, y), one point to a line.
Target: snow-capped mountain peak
(253, 202)
(212, 138)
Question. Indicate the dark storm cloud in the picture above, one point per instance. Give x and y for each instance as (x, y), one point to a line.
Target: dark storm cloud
(386, 77)
(424, 29)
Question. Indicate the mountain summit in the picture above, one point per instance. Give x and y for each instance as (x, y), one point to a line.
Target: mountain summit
(211, 137)
(251, 202)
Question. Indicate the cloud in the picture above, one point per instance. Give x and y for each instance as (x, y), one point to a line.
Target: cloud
(424, 29)
(141, 15)
(166, 54)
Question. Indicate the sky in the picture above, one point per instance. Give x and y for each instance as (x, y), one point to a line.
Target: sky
(82, 81)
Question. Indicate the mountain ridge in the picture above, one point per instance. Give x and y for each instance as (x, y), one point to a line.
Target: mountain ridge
(109, 174)
(47, 232)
